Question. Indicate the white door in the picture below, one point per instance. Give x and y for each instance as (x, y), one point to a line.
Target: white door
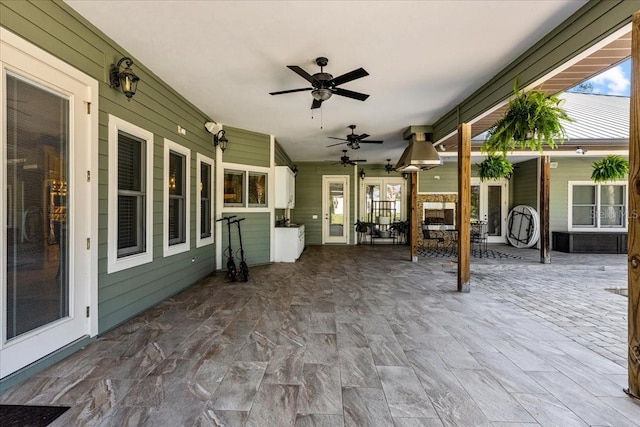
(44, 159)
(489, 204)
(335, 209)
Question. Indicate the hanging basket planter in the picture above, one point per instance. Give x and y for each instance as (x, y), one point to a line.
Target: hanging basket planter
(532, 120)
(611, 168)
(495, 167)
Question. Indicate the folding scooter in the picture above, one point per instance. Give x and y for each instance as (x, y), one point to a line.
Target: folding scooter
(228, 252)
(244, 269)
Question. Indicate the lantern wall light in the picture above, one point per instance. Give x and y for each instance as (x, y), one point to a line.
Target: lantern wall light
(219, 140)
(122, 76)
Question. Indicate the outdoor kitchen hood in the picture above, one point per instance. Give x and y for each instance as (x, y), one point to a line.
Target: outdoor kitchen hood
(419, 155)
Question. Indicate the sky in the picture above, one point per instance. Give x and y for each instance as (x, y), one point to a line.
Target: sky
(614, 81)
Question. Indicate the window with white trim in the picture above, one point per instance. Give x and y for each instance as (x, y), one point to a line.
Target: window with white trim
(204, 208)
(245, 188)
(177, 165)
(130, 196)
(597, 206)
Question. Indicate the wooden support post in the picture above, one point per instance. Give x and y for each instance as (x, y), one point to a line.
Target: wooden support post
(463, 213)
(545, 179)
(415, 223)
(634, 217)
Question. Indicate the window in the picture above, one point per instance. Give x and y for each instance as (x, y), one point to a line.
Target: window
(234, 188)
(177, 162)
(257, 189)
(597, 206)
(204, 210)
(130, 196)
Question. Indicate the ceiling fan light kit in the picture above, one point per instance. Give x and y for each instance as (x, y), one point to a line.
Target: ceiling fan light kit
(324, 85)
(353, 140)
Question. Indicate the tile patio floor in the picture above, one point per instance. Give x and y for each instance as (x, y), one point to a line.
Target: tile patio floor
(360, 336)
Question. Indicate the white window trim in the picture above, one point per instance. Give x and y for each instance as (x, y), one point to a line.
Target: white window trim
(113, 263)
(200, 158)
(597, 228)
(169, 250)
(246, 169)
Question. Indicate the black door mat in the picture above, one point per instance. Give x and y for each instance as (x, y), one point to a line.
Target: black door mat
(29, 416)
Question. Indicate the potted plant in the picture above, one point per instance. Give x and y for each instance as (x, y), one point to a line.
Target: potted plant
(532, 119)
(611, 168)
(495, 167)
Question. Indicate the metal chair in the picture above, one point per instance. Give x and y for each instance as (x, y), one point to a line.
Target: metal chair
(430, 235)
(479, 237)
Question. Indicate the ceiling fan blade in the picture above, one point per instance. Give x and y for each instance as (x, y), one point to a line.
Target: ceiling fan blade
(302, 73)
(351, 75)
(371, 142)
(340, 139)
(358, 161)
(363, 136)
(316, 104)
(290, 91)
(350, 94)
(339, 143)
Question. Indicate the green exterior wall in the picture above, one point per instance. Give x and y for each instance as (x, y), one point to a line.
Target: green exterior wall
(247, 148)
(281, 158)
(569, 169)
(256, 237)
(309, 198)
(523, 186)
(56, 28)
(447, 181)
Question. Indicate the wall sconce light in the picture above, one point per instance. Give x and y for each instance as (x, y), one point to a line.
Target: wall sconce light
(581, 150)
(362, 174)
(125, 79)
(405, 175)
(220, 140)
(218, 135)
(294, 169)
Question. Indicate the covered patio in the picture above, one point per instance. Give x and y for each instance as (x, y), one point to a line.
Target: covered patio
(337, 339)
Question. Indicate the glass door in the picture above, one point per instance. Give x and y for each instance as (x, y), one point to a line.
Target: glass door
(335, 226)
(489, 204)
(44, 274)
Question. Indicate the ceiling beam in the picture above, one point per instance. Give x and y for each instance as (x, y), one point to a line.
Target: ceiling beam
(589, 26)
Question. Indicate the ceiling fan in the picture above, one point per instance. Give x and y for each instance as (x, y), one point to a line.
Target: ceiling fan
(353, 140)
(344, 160)
(323, 85)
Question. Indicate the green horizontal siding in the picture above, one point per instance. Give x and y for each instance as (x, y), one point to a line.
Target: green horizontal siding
(58, 29)
(281, 158)
(247, 148)
(447, 181)
(569, 169)
(524, 184)
(256, 237)
(309, 198)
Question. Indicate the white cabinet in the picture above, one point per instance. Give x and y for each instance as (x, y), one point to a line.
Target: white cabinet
(285, 188)
(289, 243)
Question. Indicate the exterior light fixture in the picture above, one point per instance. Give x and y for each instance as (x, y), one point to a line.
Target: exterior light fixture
(321, 94)
(405, 175)
(219, 140)
(362, 174)
(581, 150)
(121, 75)
(294, 169)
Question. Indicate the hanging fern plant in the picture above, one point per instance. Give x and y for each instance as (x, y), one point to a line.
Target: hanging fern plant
(532, 119)
(611, 168)
(495, 167)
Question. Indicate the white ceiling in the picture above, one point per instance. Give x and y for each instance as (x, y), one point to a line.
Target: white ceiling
(423, 58)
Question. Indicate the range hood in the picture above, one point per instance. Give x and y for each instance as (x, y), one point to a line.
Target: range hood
(419, 155)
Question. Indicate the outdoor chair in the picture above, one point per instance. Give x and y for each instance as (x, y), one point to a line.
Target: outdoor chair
(430, 235)
(479, 236)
